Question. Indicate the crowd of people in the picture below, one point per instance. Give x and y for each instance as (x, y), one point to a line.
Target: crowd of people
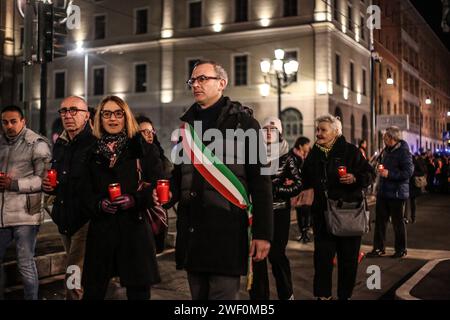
(231, 218)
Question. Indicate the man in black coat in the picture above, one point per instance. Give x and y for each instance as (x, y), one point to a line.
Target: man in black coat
(69, 159)
(212, 239)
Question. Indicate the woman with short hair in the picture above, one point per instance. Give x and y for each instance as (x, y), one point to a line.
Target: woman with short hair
(120, 241)
(320, 170)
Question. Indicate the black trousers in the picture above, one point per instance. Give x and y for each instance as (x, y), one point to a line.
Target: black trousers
(205, 286)
(386, 208)
(326, 246)
(303, 217)
(281, 269)
(98, 290)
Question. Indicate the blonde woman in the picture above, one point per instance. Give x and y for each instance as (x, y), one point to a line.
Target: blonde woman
(120, 242)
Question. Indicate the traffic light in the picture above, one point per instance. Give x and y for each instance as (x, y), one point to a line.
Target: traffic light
(45, 32)
(52, 33)
(59, 32)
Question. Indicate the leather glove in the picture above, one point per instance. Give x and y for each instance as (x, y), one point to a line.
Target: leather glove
(108, 207)
(125, 202)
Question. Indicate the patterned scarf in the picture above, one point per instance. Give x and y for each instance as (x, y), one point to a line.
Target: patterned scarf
(325, 149)
(112, 145)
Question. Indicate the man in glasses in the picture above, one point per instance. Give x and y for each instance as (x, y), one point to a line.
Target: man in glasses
(69, 155)
(212, 243)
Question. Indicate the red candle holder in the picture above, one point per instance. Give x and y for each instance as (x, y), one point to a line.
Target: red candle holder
(2, 174)
(114, 191)
(51, 175)
(162, 190)
(342, 170)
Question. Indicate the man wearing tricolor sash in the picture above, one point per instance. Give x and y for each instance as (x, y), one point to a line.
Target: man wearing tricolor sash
(224, 217)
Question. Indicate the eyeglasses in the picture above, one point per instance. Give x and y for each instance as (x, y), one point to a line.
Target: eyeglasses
(72, 111)
(147, 132)
(106, 114)
(201, 80)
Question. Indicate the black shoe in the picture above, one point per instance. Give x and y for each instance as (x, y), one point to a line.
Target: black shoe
(413, 219)
(375, 253)
(306, 239)
(400, 254)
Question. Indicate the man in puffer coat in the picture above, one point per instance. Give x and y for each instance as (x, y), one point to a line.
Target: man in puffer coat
(393, 191)
(24, 156)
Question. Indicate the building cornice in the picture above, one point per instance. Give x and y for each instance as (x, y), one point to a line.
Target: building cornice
(136, 46)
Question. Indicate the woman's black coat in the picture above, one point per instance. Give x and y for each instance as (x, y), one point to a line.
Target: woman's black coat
(342, 154)
(121, 244)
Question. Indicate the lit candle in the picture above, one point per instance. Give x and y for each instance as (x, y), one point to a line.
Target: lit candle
(2, 174)
(114, 191)
(162, 190)
(342, 170)
(380, 167)
(51, 175)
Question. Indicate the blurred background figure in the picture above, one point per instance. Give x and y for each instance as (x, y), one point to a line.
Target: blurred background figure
(148, 132)
(300, 151)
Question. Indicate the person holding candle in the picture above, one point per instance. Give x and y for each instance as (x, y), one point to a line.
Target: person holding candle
(330, 152)
(120, 241)
(69, 158)
(24, 157)
(393, 191)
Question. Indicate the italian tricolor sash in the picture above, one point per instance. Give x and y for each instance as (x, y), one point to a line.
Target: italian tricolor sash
(220, 177)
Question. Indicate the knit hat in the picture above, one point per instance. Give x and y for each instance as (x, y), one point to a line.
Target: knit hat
(273, 122)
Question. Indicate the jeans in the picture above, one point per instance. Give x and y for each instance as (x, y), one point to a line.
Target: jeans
(25, 239)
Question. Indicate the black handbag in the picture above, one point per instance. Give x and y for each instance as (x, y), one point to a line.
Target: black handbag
(346, 219)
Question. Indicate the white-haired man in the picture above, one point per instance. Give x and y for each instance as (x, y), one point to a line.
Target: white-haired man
(393, 191)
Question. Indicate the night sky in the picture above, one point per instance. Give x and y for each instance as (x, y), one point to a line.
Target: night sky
(431, 10)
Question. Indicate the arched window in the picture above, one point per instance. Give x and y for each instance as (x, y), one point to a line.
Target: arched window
(352, 129)
(338, 113)
(388, 107)
(365, 128)
(292, 121)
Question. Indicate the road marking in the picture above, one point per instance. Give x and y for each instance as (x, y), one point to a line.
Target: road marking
(404, 292)
(419, 254)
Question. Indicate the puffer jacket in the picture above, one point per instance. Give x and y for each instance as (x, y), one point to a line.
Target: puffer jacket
(25, 159)
(398, 161)
(288, 169)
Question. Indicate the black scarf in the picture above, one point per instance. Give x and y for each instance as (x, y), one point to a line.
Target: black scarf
(112, 145)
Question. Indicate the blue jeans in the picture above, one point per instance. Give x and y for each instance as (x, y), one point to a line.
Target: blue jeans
(25, 239)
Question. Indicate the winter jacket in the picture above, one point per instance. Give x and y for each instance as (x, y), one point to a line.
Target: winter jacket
(398, 161)
(341, 154)
(120, 244)
(25, 159)
(69, 160)
(288, 169)
(211, 231)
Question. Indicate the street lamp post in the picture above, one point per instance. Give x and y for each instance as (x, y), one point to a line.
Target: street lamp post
(278, 73)
(427, 102)
(80, 49)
